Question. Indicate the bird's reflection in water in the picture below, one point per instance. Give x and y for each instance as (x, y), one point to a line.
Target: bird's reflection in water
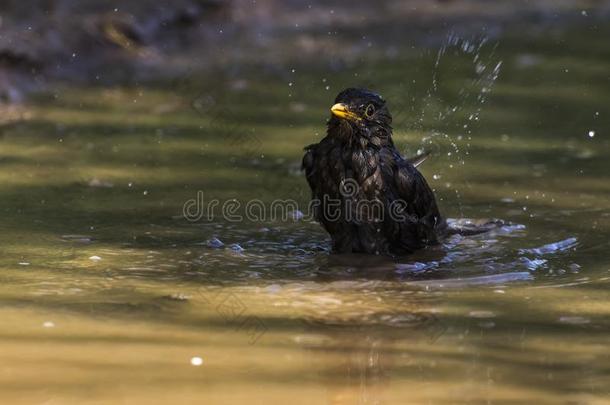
(358, 350)
(374, 320)
(358, 363)
(361, 372)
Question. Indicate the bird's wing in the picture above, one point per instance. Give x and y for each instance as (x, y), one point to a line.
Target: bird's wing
(308, 165)
(410, 186)
(419, 159)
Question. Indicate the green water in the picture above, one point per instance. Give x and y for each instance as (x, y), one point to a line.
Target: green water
(108, 292)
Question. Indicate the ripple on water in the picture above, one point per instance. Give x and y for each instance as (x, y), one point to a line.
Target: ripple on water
(299, 252)
(556, 247)
(574, 320)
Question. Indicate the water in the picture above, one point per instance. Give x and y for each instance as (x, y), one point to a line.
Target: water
(108, 292)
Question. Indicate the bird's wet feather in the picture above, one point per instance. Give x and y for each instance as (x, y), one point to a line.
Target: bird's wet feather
(361, 151)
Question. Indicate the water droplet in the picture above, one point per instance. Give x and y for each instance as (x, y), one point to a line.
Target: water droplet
(48, 324)
(591, 134)
(215, 243)
(481, 314)
(574, 320)
(95, 258)
(236, 248)
(196, 361)
(297, 215)
(574, 268)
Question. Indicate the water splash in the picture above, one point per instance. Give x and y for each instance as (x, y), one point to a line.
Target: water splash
(452, 125)
(556, 247)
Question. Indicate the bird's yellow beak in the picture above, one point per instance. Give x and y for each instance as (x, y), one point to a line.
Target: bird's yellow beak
(340, 110)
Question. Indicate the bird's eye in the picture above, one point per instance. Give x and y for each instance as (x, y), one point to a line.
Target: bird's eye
(370, 111)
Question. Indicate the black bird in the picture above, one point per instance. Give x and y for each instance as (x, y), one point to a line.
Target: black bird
(365, 194)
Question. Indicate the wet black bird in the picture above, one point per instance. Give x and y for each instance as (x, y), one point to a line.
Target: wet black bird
(365, 194)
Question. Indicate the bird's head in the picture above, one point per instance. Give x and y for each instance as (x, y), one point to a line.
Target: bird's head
(360, 112)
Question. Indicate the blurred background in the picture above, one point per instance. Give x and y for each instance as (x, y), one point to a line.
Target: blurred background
(109, 42)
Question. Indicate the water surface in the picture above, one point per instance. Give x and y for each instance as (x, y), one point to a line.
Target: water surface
(108, 293)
